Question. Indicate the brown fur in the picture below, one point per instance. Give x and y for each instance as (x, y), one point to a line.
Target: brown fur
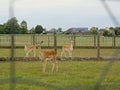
(67, 48)
(30, 48)
(45, 54)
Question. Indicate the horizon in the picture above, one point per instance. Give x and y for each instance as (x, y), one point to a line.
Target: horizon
(63, 14)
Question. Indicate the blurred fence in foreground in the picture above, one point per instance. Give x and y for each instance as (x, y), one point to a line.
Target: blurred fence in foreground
(90, 41)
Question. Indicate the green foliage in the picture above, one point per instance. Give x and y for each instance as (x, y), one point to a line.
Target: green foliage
(1, 29)
(23, 26)
(32, 30)
(117, 30)
(12, 26)
(108, 32)
(112, 31)
(94, 30)
(105, 32)
(39, 29)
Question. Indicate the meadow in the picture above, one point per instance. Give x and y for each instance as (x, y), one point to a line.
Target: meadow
(77, 52)
(80, 40)
(72, 75)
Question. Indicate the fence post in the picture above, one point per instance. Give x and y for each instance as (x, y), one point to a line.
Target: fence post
(33, 39)
(74, 39)
(114, 41)
(55, 41)
(98, 46)
(0, 41)
(48, 41)
(95, 41)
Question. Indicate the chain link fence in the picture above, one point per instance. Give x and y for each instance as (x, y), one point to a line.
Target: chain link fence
(106, 44)
(15, 40)
(88, 41)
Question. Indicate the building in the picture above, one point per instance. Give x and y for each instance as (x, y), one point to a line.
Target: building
(77, 31)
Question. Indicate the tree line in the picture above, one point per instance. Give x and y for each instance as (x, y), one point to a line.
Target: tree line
(13, 27)
(109, 31)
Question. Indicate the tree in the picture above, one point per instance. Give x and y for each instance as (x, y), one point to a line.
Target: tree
(39, 29)
(12, 26)
(59, 29)
(105, 32)
(117, 30)
(112, 31)
(23, 26)
(108, 32)
(111, 28)
(94, 30)
(1, 29)
(32, 31)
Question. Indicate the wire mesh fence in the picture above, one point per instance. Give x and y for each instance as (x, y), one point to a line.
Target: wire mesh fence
(79, 40)
(82, 44)
(18, 75)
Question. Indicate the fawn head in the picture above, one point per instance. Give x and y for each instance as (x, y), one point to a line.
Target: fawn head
(39, 43)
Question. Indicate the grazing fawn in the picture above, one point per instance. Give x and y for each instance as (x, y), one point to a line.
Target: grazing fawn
(67, 48)
(30, 48)
(45, 54)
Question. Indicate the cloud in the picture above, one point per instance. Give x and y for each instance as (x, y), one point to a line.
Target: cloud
(42, 4)
(61, 13)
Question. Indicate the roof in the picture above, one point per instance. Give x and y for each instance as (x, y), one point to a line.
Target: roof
(52, 30)
(77, 30)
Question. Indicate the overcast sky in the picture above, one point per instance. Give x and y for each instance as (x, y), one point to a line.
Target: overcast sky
(61, 13)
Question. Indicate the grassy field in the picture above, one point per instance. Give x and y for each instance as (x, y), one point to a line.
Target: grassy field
(81, 40)
(76, 52)
(72, 75)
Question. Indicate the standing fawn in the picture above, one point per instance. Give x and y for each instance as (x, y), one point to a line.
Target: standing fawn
(67, 48)
(30, 48)
(45, 54)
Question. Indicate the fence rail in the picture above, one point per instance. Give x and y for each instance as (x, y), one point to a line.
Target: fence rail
(96, 43)
(87, 41)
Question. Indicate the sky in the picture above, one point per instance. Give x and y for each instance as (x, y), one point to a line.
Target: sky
(61, 13)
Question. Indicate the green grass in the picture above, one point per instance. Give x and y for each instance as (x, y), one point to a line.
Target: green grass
(72, 75)
(81, 40)
(76, 52)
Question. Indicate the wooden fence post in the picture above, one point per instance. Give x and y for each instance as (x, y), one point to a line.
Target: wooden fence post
(114, 41)
(95, 41)
(0, 41)
(98, 46)
(74, 39)
(33, 39)
(55, 41)
(48, 41)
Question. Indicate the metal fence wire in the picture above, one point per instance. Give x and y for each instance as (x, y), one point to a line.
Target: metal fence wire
(13, 80)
